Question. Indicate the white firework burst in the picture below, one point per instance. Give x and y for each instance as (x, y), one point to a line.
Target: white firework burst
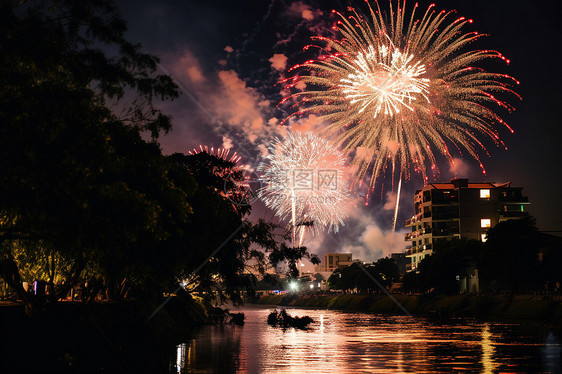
(304, 183)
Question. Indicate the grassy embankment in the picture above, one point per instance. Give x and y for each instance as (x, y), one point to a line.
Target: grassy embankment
(543, 309)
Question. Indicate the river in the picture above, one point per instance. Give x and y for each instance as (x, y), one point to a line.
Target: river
(340, 342)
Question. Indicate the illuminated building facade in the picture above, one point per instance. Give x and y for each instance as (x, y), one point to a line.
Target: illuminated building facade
(332, 261)
(459, 209)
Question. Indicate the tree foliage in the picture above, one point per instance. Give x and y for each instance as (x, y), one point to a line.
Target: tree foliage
(516, 258)
(383, 273)
(510, 259)
(84, 197)
(291, 256)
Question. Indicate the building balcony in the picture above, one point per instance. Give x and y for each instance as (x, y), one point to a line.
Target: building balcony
(417, 218)
(418, 249)
(514, 199)
(444, 203)
(414, 234)
(445, 200)
(444, 232)
(445, 216)
(414, 219)
(513, 214)
(446, 235)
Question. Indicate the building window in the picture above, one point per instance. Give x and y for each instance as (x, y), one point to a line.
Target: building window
(485, 194)
(483, 237)
(485, 223)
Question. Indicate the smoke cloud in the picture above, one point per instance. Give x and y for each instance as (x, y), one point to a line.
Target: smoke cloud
(367, 234)
(390, 203)
(459, 167)
(238, 113)
(278, 61)
(303, 10)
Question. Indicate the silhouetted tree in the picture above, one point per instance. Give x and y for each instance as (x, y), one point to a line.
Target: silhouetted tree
(510, 257)
(63, 146)
(365, 278)
(451, 259)
(386, 271)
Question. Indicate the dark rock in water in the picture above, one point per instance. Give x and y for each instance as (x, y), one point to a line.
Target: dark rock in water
(217, 315)
(237, 318)
(221, 316)
(284, 320)
(272, 318)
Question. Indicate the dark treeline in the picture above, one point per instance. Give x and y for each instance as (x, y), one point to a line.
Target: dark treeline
(84, 196)
(516, 258)
(364, 278)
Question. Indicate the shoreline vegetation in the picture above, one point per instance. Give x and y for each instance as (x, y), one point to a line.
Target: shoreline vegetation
(97, 337)
(518, 308)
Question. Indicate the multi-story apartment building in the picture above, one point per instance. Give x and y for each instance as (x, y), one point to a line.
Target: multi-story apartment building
(332, 261)
(459, 209)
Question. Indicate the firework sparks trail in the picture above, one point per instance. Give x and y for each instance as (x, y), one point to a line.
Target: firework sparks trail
(396, 89)
(236, 186)
(304, 182)
(219, 152)
(397, 203)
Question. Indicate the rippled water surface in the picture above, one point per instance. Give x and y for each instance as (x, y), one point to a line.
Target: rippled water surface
(361, 343)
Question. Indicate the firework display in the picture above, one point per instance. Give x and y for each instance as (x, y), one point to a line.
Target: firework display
(219, 152)
(396, 90)
(304, 182)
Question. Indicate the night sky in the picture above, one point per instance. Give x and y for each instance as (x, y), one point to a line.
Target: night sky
(228, 55)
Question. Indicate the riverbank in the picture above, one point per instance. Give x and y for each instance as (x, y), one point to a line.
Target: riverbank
(499, 308)
(99, 337)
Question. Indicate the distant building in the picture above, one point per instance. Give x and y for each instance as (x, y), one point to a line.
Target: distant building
(332, 261)
(459, 210)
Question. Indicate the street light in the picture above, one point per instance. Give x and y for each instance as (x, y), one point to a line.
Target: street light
(294, 286)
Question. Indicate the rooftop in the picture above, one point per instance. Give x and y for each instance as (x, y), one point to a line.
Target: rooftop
(463, 183)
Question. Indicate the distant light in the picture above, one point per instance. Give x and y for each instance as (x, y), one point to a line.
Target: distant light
(293, 286)
(311, 286)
